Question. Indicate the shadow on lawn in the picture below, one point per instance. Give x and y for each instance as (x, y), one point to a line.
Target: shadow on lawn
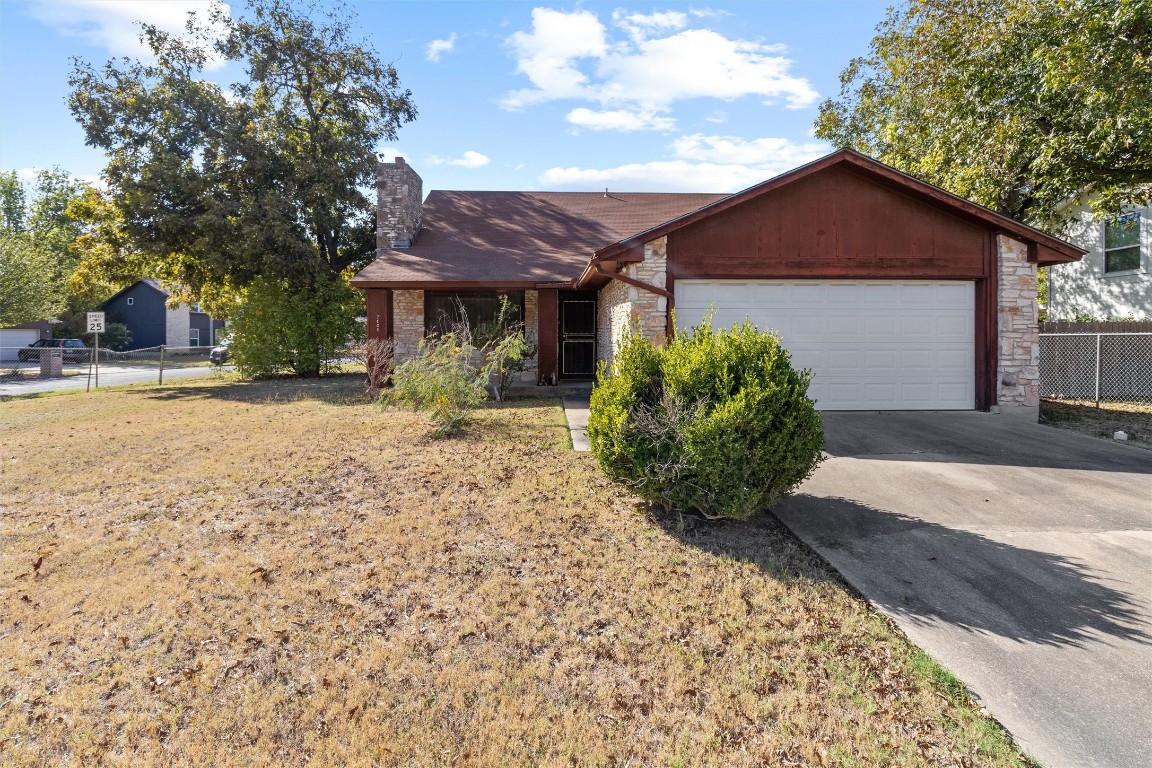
(763, 540)
(339, 389)
(929, 573)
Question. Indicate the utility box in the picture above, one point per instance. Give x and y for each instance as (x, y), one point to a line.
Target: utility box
(51, 363)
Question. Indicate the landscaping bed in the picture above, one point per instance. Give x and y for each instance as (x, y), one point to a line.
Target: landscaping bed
(274, 573)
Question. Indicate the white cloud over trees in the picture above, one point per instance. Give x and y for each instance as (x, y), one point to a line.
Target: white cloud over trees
(636, 70)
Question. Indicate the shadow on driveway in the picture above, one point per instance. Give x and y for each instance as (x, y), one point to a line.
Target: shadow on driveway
(938, 573)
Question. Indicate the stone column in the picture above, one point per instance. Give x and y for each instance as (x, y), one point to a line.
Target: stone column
(1018, 375)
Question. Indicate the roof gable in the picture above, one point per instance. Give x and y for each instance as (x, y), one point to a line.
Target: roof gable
(147, 281)
(1050, 250)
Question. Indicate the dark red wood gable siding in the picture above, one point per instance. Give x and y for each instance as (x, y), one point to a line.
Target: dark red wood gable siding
(547, 310)
(838, 223)
(379, 312)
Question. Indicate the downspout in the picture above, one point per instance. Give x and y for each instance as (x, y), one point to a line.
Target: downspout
(668, 329)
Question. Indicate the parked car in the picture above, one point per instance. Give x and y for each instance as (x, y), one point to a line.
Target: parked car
(219, 353)
(75, 350)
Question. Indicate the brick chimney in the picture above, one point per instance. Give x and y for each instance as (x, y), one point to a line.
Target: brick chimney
(399, 194)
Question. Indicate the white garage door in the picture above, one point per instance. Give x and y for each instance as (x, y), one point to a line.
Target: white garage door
(871, 345)
(11, 339)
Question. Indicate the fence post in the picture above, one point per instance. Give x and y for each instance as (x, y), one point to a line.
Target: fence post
(161, 366)
(1098, 371)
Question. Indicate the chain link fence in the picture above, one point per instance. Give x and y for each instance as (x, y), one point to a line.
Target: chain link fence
(20, 363)
(1099, 367)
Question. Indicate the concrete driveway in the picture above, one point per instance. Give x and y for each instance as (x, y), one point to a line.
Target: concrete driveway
(1017, 555)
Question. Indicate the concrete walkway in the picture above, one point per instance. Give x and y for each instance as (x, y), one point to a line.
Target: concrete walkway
(1017, 555)
(576, 411)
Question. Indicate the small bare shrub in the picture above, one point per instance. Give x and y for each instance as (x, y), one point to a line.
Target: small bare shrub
(442, 381)
(377, 356)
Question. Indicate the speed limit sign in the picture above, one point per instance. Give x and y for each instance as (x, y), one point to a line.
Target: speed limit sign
(95, 322)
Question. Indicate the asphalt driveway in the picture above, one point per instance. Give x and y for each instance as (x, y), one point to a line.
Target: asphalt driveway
(1018, 555)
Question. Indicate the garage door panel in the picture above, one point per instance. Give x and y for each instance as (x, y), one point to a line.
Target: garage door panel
(872, 345)
(13, 339)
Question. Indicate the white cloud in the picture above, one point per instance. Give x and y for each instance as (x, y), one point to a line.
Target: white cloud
(438, 48)
(640, 26)
(702, 164)
(111, 24)
(469, 159)
(659, 176)
(27, 177)
(620, 120)
(765, 153)
(548, 53)
(572, 56)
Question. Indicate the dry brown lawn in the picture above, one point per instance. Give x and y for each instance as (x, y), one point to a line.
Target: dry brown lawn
(1135, 419)
(277, 573)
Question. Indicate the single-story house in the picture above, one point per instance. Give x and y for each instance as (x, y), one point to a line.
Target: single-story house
(1114, 280)
(143, 307)
(895, 293)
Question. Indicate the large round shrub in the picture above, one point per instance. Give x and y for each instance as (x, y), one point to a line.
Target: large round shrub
(716, 422)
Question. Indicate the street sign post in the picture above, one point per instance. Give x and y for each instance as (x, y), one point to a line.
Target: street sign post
(96, 326)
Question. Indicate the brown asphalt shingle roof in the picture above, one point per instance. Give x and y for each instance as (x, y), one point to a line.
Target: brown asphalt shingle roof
(522, 236)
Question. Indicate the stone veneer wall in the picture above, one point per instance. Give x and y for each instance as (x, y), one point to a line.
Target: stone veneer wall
(1018, 385)
(618, 303)
(408, 325)
(531, 333)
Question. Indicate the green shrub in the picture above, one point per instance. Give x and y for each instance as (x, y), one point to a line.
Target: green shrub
(719, 423)
(278, 330)
(116, 337)
(441, 380)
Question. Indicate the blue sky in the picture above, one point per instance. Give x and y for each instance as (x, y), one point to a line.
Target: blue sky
(709, 97)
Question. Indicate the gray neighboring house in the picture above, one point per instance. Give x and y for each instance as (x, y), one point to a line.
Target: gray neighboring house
(143, 307)
(1114, 279)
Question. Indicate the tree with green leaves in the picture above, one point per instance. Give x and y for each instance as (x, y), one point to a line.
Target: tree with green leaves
(29, 290)
(216, 186)
(37, 233)
(13, 202)
(1019, 105)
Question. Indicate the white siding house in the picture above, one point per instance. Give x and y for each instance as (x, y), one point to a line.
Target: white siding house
(1114, 280)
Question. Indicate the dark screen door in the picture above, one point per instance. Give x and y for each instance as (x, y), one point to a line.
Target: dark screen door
(578, 334)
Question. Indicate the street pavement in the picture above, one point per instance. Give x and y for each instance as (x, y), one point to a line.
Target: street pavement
(109, 377)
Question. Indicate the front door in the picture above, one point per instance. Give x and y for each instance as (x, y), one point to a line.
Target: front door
(577, 334)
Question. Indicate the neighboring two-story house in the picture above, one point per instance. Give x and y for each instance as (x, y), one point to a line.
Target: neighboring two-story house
(143, 307)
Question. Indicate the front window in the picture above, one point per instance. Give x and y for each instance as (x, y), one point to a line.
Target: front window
(445, 311)
(194, 337)
(1122, 243)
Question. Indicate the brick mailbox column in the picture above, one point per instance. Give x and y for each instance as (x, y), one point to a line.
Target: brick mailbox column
(51, 363)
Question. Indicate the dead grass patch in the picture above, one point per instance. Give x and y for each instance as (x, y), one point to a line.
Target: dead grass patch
(274, 573)
(1083, 416)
